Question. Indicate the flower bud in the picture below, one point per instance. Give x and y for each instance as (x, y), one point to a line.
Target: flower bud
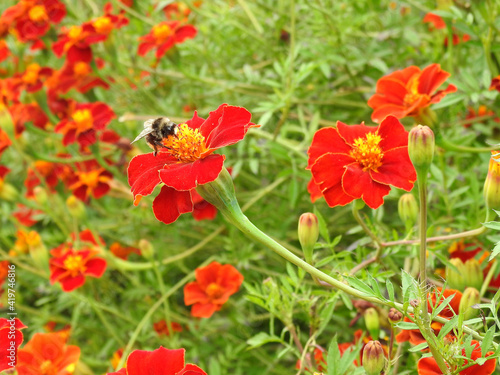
(75, 207)
(40, 195)
(373, 358)
(395, 316)
(308, 234)
(467, 274)
(7, 191)
(147, 249)
(470, 297)
(37, 250)
(372, 322)
(421, 147)
(454, 276)
(491, 190)
(408, 209)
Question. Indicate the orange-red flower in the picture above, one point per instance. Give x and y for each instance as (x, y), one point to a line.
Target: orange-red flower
(75, 43)
(4, 50)
(31, 19)
(104, 25)
(413, 335)
(357, 161)
(161, 327)
(438, 23)
(86, 120)
(76, 76)
(187, 160)
(31, 79)
(4, 141)
(47, 353)
(8, 336)
(89, 180)
(123, 252)
(495, 83)
(214, 285)
(428, 365)
(164, 36)
(26, 216)
(70, 267)
(409, 91)
(24, 113)
(481, 111)
(159, 362)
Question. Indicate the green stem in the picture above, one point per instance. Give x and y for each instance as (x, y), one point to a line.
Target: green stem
(488, 278)
(422, 193)
(360, 221)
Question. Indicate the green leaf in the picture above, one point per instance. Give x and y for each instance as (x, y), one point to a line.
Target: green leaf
(419, 347)
(390, 290)
(260, 339)
(495, 252)
(487, 340)
(323, 229)
(406, 325)
(333, 358)
(492, 225)
(359, 285)
(442, 306)
(448, 326)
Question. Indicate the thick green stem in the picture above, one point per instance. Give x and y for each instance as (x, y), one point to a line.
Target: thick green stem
(422, 193)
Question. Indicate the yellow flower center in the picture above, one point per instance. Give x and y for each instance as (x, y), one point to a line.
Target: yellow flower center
(83, 119)
(75, 33)
(367, 152)
(74, 264)
(38, 14)
(103, 25)
(188, 146)
(81, 69)
(48, 368)
(214, 291)
(161, 32)
(90, 179)
(30, 76)
(414, 95)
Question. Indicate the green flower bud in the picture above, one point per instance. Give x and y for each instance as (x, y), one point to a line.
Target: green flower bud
(466, 274)
(454, 274)
(372, 322)
(308, 234)
(7, 191)
(75, 207)
(38, 251)
(373, 358)
(421, 147)
(408, 209)
(470, 298)
(147, 249)
(491, 190)
(40, 195)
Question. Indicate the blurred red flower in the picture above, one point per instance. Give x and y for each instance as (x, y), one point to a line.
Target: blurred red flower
(78, 76)
(161, 327)
(160, 361)
(409, 91)
(164, 36)
(495, 83)
(428, 365)
(481, 111)
(4, 141)
(104, 25)
(24, 113)
(123, 252)
(6, 339)
(31, 19)
(47, 353)
(26, 216)
(75, 43)
(86, 119)
(188, 161)
(357, 161)
(413, 335)
(438, 23)
(90, 179)
(31, 79)
(4, 50)
(70, 267)
(214, 285)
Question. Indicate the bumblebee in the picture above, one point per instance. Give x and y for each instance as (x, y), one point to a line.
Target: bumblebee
(155, 130)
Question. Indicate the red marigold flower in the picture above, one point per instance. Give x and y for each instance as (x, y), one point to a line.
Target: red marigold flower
(123, 252)
(4, 141)
(202, 210)
(90, 180)
(26, 216)
(436, 21)
(481, 111)
(187, 160)
(86, 119)
(319, 360)
(6, 339)
(31, 19)
(70, 267)
(214, 285)
(75, 43)
(32, 78)
(428, 365)
(495, 83)
(357, 161)
(104, 25)
(23, 113)
(164, 36)
(407, 92)
(413, 335)
(161, 327)
(4, 50)
(47, 353)
(78, 76)
(160, 361)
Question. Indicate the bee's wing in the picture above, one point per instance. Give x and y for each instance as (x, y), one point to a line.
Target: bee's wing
(147, 129)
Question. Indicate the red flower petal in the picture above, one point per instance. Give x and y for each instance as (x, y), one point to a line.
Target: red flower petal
(359, 184)
(71, 283)
(314, 190)
(436, 98)
(393, 134)
(431, 78)
(383, 111)
(428, 366)
(196, 121)
(157, 362)
(192, 370)
(350, 133)
(170, 204)
(325, 141)
(185, 32)
(193, 293)
(225, 126)
(204, 310)
(186, 176)
(396, 169)
(95, 267)
(143, 175)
